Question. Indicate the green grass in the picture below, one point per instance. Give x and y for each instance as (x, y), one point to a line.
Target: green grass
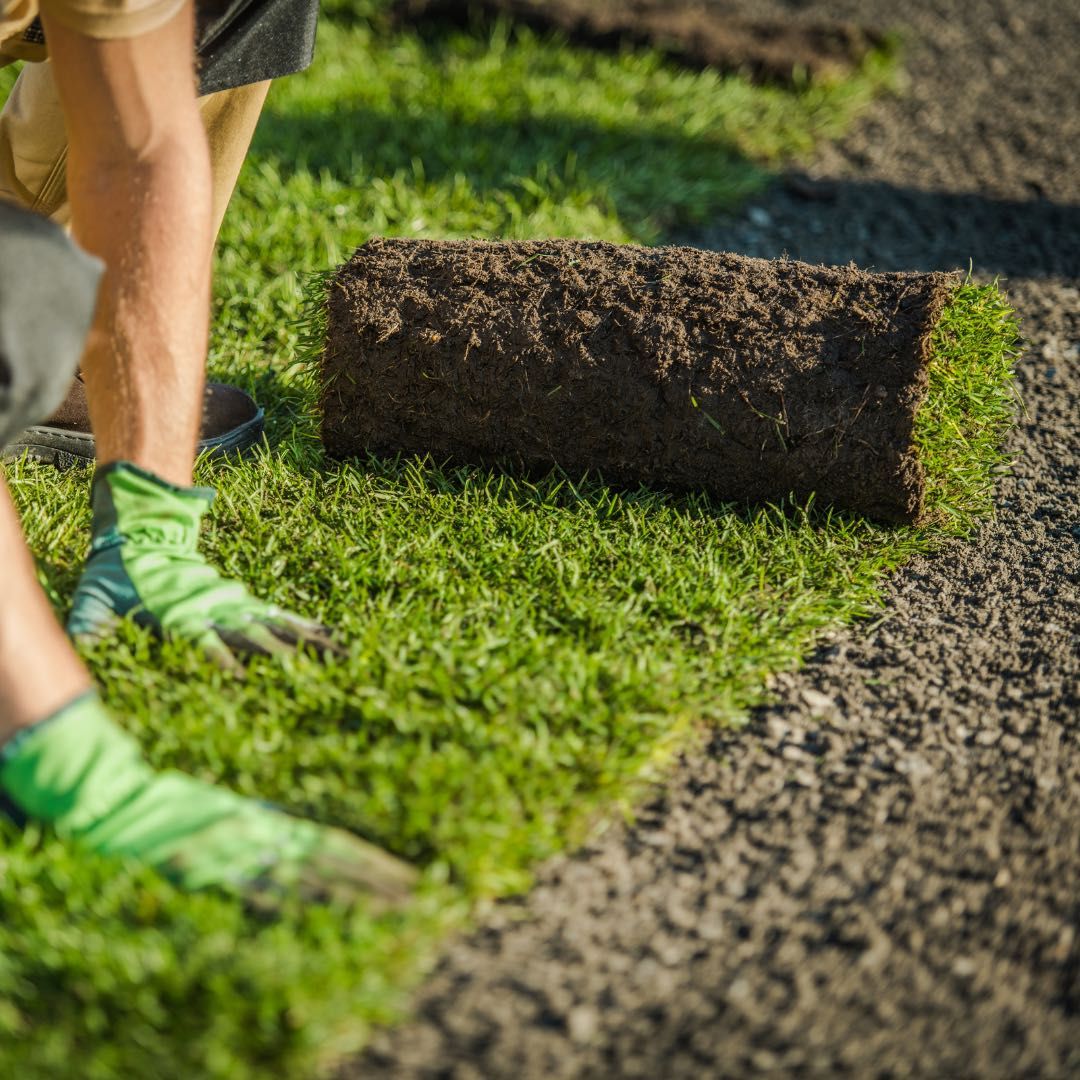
(523, 657)
(961, 427)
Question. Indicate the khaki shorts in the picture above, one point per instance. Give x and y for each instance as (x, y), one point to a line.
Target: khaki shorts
(33, 139)
(33, 142)
(21, 38)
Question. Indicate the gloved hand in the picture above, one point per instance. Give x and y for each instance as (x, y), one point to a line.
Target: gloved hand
(79, 773)
(144, 561)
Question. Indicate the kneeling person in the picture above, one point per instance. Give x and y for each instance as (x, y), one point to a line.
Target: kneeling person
(139, 183)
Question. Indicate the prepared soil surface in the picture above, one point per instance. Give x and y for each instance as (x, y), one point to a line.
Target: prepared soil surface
(672, 367)
(880, 877)
(695, 33)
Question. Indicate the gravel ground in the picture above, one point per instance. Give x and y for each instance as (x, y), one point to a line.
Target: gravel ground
(881, 877)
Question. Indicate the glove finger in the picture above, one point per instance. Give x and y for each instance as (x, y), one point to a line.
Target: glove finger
(92, 617)
(254, 638)
(343, 869)
(288, 618)
(294, 631)
(339, 869)
(219, 652)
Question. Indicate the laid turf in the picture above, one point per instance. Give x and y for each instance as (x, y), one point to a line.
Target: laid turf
(960, 429)
(521, 656)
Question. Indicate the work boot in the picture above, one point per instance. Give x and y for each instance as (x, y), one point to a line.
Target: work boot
(231, 424)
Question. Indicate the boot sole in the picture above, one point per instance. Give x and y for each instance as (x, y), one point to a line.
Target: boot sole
(62, 448)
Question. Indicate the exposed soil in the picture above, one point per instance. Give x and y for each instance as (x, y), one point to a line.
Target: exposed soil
(670, 367)
(693, 32)
(881, 878)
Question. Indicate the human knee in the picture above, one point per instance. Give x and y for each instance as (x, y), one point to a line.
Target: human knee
(48, 290)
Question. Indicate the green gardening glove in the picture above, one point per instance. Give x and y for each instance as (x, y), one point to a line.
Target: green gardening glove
(144, 562)
(79, 773)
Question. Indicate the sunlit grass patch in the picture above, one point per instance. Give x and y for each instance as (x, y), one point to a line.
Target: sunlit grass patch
(970, 406)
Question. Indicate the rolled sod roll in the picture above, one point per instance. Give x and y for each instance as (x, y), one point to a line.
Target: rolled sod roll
(672, 367)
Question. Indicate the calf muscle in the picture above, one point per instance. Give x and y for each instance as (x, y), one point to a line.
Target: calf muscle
(139, 184)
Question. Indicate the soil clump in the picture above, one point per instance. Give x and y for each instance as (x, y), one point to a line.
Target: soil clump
(668, 367)
(693, 33)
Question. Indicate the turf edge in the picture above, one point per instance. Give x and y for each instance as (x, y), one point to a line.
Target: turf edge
(961, 427)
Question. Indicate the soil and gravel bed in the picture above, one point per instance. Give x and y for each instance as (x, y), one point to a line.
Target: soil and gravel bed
(696, 34)
(879, 877)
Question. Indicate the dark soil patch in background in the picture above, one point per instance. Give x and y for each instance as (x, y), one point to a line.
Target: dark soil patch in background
(693, 33)
(879, 878)
(669, 367)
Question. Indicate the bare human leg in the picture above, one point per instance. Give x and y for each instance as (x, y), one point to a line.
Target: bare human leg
(39, 671)
(139, 182)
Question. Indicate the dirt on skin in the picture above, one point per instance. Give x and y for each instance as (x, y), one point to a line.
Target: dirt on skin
(694, 33)
(881, 876)
(670, 367)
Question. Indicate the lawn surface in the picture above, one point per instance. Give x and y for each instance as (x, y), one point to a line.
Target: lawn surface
(521, 655)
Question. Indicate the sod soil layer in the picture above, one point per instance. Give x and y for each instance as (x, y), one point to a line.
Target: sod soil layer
(694, 33)
(879, 877)
(669, 367)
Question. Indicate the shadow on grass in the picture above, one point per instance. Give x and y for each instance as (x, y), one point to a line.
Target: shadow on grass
(653, 179)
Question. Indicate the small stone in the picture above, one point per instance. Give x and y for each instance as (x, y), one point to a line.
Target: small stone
(1064, 943)
(816, 701)
(582, 1023)
(916, 767)
(777, 729)
(765, 1061)
(964, 967)
(710, 927)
